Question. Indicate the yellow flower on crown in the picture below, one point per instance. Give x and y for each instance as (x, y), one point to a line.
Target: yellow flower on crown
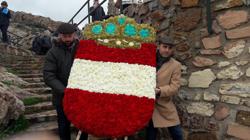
(120, 32)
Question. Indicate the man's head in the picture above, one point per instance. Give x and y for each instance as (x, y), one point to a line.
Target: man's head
(4, 4)
(166, 47)
(96, 2)
(66, 33)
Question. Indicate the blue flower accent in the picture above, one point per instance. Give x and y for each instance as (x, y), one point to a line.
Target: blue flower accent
(121, 21)
(110, 28)
(130, 30)
(144, 33)
(97, 29)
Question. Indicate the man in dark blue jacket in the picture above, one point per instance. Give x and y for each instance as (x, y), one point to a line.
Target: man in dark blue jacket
(4, 20)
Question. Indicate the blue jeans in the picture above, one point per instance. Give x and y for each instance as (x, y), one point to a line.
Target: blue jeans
(175, 132)
(64, 125)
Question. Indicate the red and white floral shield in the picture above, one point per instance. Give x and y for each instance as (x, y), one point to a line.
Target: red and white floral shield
(110, 90)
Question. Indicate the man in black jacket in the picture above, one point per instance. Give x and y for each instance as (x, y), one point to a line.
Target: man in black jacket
(98, 13)
(4, 20)
(58, 62)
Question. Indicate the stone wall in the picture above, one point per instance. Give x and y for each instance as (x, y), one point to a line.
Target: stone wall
(214, 100)
(10, 96)
(112, 10)
(28, 26)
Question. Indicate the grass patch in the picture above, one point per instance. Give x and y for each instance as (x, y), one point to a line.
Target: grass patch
(10, 83)
(16, 126)
(12, 71)
(7, 83)
(31, 101)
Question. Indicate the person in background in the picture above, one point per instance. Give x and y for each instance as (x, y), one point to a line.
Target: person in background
(78, 32)
(167, 84)
(4, 21)
(123, 4)
(98, 14)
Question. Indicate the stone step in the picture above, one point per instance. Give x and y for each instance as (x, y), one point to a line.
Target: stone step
(35, 85)
(38, 75)
(40, 107)
(36, 99)
(42, 116)
(15, 51)
(28, 71)
(26, 68)
(45, 97)
(33, 58)
(25, 59)
(9, 65)
(24, 65)
(33, 80)
(42, 90)
(43, 126)
(24, 62)
(18, 51)
(47, 126)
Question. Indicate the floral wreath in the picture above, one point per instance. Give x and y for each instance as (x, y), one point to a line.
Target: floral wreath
(110, 91)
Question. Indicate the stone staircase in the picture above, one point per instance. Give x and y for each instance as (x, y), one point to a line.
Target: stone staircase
(41, 115)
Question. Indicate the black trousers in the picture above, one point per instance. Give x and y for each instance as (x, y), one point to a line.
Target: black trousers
(4, 29)
(64, 125)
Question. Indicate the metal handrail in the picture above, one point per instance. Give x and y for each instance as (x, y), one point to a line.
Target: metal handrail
(14, 34)
(17, 37)
(87, 2)
(89, 12)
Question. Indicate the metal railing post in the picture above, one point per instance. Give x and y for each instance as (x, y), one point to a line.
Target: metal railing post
(121, 8)
(79, 10)
(88, 12)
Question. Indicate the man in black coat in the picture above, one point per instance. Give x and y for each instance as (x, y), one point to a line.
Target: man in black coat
(98, 13)
(4, 20)
(57, 66)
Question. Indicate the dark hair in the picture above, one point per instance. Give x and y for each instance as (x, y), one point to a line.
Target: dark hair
(4, 3)
(66, 28)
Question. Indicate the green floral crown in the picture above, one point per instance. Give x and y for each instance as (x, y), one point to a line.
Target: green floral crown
(120, 31)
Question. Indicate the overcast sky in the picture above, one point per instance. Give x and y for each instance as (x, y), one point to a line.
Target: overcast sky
(59, 10)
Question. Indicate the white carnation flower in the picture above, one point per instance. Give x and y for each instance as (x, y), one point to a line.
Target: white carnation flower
(118, 42)
(106, 41)
(131, 44)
